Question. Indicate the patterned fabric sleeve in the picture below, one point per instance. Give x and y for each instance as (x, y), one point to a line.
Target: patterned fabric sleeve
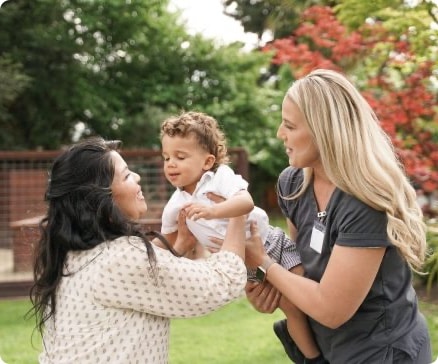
(280, 248)
(178, 287)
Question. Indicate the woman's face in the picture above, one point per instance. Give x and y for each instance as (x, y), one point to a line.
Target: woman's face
(296, 137)
(126, 191)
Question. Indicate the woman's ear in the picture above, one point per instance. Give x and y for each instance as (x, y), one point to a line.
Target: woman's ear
(209, 162)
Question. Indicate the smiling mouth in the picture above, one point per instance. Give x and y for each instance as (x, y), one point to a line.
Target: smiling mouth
(173, 176)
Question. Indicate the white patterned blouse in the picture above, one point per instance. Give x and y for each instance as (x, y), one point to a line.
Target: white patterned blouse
(112, 308)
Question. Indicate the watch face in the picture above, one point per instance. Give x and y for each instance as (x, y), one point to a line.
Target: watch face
(260, 274)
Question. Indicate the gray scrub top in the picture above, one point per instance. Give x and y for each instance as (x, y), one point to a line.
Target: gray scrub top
(388, 318)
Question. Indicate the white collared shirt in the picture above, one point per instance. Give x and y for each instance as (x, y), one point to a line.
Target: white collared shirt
(224, 182)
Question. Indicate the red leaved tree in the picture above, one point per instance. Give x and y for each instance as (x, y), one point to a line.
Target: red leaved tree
(390, 76)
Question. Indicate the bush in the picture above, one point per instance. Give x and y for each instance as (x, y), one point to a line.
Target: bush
(431, 265)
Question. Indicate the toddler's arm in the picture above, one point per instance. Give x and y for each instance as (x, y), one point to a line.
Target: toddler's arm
(239, 204)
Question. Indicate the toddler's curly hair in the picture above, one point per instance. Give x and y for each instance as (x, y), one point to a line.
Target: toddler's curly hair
(205, 129)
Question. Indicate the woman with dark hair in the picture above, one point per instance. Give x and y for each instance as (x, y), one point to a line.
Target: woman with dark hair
(103, 291)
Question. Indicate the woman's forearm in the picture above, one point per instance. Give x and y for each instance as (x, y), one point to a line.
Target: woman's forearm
(235, 237)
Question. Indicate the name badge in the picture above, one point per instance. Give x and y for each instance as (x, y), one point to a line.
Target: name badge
(317, 238)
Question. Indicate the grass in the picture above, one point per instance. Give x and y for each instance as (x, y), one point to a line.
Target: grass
(16, 332)
(236, 334)
(430, 311)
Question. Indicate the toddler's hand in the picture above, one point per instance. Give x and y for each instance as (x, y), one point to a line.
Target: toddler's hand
(197, 211)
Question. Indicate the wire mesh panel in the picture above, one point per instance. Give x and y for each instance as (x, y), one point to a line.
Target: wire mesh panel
(23, 180)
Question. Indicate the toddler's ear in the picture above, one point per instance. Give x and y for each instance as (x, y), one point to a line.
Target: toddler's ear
(209, 162)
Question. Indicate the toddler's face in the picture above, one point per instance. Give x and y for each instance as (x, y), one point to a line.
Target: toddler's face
(184, 161)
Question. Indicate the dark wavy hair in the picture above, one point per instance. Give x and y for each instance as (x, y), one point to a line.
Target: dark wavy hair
(81, 215)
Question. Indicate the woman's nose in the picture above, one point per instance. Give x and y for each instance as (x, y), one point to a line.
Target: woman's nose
(137, 177)
(280, 133)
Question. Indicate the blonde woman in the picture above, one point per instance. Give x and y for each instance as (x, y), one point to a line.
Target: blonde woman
(357, 226)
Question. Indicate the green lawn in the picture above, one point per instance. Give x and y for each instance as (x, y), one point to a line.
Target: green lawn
(236, 334)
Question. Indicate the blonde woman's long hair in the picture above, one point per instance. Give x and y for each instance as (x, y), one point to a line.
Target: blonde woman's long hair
(359, 158)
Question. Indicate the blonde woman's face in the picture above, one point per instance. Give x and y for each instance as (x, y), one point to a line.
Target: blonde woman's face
(296, 137)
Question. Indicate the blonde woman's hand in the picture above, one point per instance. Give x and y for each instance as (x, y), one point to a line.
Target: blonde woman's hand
(263, 296)
(254, 249)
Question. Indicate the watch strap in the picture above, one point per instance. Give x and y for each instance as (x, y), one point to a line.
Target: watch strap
(262, 270)
(267, 262)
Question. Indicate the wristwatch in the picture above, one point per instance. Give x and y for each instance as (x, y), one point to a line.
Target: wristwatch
(262, 270)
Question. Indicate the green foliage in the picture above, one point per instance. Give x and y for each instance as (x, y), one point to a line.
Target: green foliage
(402, 19)
(12, 82)
(430, 311)
(117, 69)
(431, 264)
(280, 17)
(355, 12)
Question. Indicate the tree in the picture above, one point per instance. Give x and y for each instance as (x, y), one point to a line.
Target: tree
(12, 82)
(117, 69)
(403, 89)
(76, 56)
(387, 66)
(279, 17)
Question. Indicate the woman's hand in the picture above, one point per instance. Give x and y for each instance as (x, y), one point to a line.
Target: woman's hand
(263, 296)
(185, 241)
(218, 242)
(255, 251)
